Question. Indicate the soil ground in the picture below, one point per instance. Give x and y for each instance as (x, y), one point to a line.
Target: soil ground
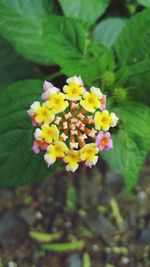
(91, 206)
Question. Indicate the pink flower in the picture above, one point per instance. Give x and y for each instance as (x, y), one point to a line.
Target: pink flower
(103, 102)
(47, 85)
(38, 145)
(103, 141)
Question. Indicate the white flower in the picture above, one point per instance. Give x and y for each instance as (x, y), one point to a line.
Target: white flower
(33, 108)
(96, 91)
(37, 134)
(75, 79)
(48, 159)
(50, 91)
(114, 119)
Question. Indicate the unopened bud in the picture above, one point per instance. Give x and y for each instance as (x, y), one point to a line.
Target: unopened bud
(120, 94)
(107, 78)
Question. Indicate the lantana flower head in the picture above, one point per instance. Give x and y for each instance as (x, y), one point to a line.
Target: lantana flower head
(72, 124)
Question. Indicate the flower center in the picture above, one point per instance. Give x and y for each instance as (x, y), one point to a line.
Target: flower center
(104, 141)
(91, 100)
(45, 113)
(76, 126)
(105, 119)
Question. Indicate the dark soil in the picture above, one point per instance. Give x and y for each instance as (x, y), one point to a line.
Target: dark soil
(115, 226)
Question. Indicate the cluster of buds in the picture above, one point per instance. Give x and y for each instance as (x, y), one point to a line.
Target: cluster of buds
(72, 124)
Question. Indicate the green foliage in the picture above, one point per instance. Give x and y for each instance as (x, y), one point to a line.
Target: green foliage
(13, 67)
(145, 3)
(131, 143)
(136, 54)
(18, 164)
(23, 27)
(63, 247)
(106, 31)
(68, 45)
(133, 43)
(86, 10)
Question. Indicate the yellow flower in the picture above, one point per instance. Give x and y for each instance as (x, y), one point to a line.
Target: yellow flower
(88, 154)
(57, 150)
(43, 114)
(57, 103)
(90, 102)
(47, 133)
(102, 120)
(75, 89)
(72, 158)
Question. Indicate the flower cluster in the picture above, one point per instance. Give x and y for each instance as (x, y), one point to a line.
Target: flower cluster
(71, 125)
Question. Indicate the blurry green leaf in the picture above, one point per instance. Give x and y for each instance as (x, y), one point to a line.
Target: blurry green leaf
(68, 45)
(62, 247)
(86, 260)
(106, 31)
(133, 42)
(131, 143)
(13, 67)
(45, 237)
(145, 3)
(139, 81)
(91, 66)
(137, 78)
(18, 163)
(21, 24)
(85, 10)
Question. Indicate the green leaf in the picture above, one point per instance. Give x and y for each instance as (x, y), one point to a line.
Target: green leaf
(18, 163)
(21, 24)
(131, 143)
(86, 262)
(145, 3)
(106, 31)
(86, 10)
(45, 237)
(63, 247)
(136, 77)
(139, 80)
(13, 67)
(68, 45)
(133, 42)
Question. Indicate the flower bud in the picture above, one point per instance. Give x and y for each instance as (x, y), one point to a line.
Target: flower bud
(120, 94)
(108, 78)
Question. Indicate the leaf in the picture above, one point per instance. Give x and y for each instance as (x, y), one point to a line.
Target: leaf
(13, 67)
(18, 163)
(139, 80)
(86, 262)
(136, 77)
(45, 237)
(107, 30)
(63, 247)
(21, 24)
(133, 42)
(68, 45)
(145, 3)
(86, 10)
(131, 143)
